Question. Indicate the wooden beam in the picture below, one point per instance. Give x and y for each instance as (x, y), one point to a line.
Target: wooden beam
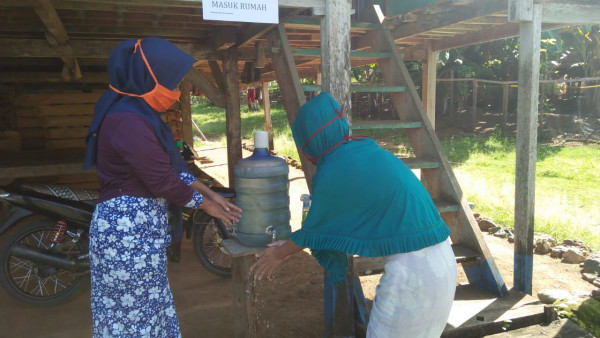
(571, 13)
(223, 39)
(233, 120)
(291, 91)
(520, 10)
(175, 3)
(217, 74)
(57, 36)
(527, 113)
(205, 85)
(429, 76)
(267, 108)
(42, 77)
(98, 49)
(504, 31)
(186, 112)
(458, 14)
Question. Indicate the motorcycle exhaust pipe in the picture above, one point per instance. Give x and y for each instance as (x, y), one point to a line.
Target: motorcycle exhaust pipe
(53, 259)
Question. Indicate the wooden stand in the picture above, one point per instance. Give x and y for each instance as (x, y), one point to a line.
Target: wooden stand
(244, 301)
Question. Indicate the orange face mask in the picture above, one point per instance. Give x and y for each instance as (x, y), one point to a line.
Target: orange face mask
(160, 98)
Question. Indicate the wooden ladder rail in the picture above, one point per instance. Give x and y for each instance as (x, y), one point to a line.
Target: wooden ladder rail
(440, 182)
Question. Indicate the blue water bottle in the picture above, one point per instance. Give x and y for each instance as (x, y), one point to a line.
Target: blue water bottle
(262, 191)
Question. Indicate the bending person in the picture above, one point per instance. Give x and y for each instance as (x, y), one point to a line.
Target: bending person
(367, 202)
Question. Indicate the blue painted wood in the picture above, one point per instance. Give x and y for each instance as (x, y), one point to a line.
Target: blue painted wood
(483, 276)
(339, 308)
(361, 310)
(523, 274)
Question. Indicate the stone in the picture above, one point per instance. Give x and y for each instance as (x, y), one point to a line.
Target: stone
(589, 277)
(501, 234)
(544, 244)
(573, 256)
(485, 224)
(581, 293)
(494, 229)
(596, 294)
(592, 265)
(596, 282)
(511, 239)
(549, 296)
(558, 251)
(576, 243)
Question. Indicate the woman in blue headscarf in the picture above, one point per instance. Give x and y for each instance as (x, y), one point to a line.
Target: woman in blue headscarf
(143, 179)
(367, 202)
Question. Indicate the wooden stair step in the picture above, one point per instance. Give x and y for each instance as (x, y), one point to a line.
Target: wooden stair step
(420, 163)
(374, 265)
(361, 88)
(445, 206)
(385, 124)
(464, 254)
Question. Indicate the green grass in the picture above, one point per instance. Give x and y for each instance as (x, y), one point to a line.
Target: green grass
(567, 178)
(567, 184)
(211, 121)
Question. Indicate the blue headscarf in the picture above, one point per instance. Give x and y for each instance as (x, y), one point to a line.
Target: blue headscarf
(366, 201)
(128, 73)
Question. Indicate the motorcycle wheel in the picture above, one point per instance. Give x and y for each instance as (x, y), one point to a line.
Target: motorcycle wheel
(208, 246)
(38, 283)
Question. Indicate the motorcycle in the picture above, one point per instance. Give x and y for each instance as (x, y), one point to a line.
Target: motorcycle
(44, 257)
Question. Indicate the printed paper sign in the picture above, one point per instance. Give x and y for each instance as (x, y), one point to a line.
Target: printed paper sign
(263, 11)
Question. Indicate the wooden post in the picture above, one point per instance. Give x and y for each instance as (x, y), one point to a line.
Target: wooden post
(452, 110)
(335, 67)
(527, 111)
(244, 288)
(267, 107)
(291, 90)
(504, 118)
(474, 108)
(335, 52)
(429, 79)
(186, 112)
(232, 112)
(318, 80)
(244, 312)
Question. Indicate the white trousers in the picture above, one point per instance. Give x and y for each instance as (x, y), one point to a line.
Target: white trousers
(415, 294)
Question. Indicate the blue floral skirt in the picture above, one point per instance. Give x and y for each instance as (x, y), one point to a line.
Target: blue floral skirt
(130, 290)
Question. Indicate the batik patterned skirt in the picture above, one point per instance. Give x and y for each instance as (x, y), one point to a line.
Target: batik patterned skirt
(130, 291)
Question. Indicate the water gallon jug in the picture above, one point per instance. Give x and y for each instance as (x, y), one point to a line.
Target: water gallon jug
(261, 186)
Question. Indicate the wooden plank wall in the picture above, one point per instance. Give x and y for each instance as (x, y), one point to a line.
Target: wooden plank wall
(54, 120)
(59, 121)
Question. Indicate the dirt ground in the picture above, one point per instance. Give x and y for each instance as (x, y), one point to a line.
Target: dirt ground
(291, 302)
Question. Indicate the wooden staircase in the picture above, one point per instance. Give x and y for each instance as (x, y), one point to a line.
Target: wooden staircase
(436, 173)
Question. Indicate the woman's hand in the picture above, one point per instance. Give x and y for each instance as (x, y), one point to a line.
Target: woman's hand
(224, 203)
(213, 208)
(269, 259)
(217, 205)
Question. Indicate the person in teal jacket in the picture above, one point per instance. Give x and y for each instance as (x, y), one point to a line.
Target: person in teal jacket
(367, 202)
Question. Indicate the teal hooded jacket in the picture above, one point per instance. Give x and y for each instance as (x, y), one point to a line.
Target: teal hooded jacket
(366, 201)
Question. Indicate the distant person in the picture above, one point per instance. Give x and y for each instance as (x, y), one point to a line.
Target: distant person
(251, 94)
(367, 202)
(143, 181)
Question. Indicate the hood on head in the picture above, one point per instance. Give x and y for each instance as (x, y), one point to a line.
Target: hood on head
(313, 115)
